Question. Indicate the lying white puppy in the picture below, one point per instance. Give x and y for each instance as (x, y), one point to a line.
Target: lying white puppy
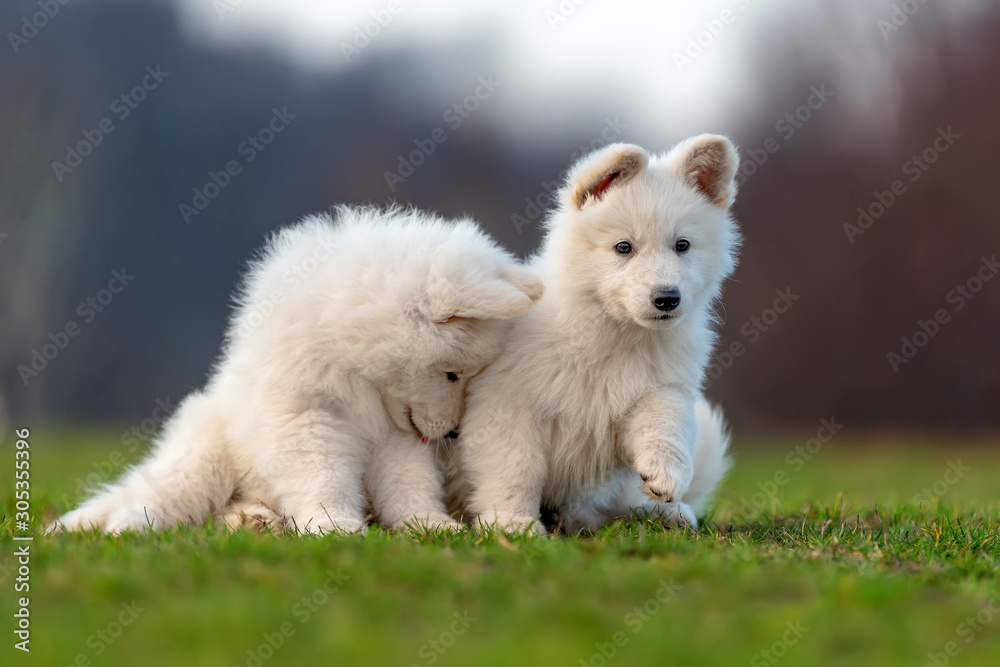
(351, 347)
(595, 407)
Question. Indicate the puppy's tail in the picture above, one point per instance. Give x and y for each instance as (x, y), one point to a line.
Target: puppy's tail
(711, 460)
(185, 477)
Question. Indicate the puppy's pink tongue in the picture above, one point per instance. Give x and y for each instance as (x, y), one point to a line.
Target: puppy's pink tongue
(424, 439)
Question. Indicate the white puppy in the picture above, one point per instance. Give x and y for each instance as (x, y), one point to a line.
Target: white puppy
(595, 408)
(351, 347)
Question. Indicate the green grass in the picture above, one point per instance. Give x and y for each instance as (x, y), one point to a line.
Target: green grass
(840, 550)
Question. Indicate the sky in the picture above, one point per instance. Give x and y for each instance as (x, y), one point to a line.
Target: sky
(675, 65)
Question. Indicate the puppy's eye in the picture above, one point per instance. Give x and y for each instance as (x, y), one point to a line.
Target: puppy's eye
(682, 245)
(452, 377)
(623, 248)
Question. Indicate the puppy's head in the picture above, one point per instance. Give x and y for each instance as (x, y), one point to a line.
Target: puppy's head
(452, 329)
(650, 237)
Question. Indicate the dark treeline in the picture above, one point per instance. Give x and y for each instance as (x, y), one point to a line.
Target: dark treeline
(102, 261)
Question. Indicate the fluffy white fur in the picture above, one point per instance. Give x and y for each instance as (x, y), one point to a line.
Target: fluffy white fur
(350, 348)
(595, 408)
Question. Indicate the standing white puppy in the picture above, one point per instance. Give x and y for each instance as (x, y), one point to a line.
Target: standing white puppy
(595, 408)
(350, 349)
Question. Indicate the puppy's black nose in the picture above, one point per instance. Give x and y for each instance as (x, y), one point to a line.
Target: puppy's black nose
(666, 299)
(452, 435)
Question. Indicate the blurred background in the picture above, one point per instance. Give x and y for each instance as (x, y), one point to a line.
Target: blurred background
(147, 148)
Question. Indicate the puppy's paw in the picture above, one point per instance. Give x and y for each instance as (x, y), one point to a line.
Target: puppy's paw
(323, 524)
(514, 524)
(82, 518)
(664, 480)
(523, 525)
(69, 523)
(425, 521)
(133, 519)
(668, 514)
(255, 516)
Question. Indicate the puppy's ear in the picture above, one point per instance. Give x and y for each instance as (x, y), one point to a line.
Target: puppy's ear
(495, 299)
(708, 163)
(610, 167)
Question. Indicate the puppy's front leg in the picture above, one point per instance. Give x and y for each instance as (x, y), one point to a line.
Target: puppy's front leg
(314, 465)
(660, 436)
(405, 484)
(503, 455)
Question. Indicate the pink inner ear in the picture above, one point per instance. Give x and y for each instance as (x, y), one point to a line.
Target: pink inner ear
(455, 318)
(706, 180)
(605, 183)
